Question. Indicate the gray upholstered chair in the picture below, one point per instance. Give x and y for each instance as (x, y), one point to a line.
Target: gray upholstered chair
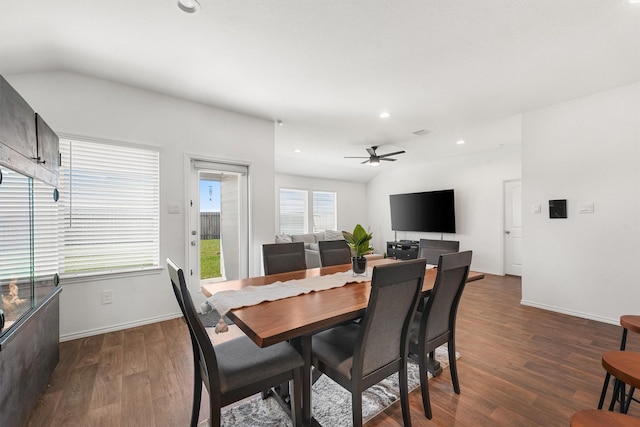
(334, 252)
(237, 368)
(360, 355)
(432, 249)
(436, 324)
(283, 257)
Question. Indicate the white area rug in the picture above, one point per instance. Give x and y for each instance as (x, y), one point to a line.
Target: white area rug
(331, 404)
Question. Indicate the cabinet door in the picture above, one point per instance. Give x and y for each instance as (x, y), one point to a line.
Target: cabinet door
(48, 156)
(17, 124)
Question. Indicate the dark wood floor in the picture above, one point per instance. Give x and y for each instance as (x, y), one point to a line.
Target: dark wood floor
(520, 366)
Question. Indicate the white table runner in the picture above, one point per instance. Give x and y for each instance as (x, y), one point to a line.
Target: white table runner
(224, 301)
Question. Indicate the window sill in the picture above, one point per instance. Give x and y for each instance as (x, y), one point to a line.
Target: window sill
(71, 279)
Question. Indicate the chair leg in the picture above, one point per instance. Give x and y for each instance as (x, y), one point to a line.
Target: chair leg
(356, 407)
(424, 384)
(197, 397)
(453, 368)
(629, 399)
(215, 416)
(296, 398)
(616, 394)
(404, 395)
(604, 390)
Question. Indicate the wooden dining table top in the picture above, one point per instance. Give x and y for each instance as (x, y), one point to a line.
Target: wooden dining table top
(271, 322)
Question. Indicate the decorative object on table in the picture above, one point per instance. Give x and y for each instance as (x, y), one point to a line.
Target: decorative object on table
(358, 242)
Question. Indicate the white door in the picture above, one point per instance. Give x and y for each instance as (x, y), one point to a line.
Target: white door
(218, 222)
(513, 227)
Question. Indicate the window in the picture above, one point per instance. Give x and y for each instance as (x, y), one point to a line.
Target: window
(108, 212)
(324, 211)
(293, 211)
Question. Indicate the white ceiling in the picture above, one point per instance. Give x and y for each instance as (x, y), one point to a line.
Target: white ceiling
(461, 69)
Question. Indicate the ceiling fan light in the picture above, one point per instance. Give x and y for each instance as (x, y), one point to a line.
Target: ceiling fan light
(189, 6)
(374, 162)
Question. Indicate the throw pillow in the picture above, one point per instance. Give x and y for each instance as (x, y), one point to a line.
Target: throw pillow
(306, 238)
(333, 235)
(283, 238)
(318, 236)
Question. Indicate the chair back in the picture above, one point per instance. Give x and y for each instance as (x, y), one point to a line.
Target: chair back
(202, 346)
(382, 340)
(432, 249)
(439, 316)
(334, 252)
(283, 257)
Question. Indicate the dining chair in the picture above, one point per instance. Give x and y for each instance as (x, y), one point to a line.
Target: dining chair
(283, 257)
(334, 252)
(436, 324)
(431, 249)
(234, 369)
(629, 323)
(360, 355)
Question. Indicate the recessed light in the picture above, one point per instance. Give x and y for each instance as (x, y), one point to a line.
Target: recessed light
(633, 1)
(460, 142)
(385, 115)
(297, 150)
(189, 6)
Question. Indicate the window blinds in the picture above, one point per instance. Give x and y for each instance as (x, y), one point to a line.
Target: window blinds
(108, 212)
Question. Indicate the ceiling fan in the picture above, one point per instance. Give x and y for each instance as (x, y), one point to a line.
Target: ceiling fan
(374, 158)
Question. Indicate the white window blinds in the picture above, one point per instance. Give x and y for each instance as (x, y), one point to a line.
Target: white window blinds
(324, 211)
(293, 211)
(108, 212)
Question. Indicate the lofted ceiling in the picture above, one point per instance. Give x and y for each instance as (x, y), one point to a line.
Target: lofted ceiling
(455, 69)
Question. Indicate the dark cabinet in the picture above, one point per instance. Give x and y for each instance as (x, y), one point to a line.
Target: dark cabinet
(29, 307)
(47, 142)
(27, 144)
(17, 122)
(402, 250)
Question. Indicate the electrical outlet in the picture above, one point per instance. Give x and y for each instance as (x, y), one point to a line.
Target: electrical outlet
(107, 297)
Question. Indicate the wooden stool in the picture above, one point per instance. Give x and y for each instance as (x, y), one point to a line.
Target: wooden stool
(628, 323)
(625, 368)
(596, 418)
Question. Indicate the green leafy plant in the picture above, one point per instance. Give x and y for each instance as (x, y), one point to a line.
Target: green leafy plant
(358, 241)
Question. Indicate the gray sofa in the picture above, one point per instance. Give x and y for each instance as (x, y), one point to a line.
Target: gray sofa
(310, 240)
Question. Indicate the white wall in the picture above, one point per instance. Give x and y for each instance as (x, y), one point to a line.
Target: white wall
(585, 151)
(478, 184)
(351, 197)
(85, 106)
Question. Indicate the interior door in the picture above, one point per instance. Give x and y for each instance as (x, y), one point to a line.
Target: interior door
(218, 222)
(513, 227)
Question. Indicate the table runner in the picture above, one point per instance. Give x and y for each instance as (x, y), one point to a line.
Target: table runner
(224, 301)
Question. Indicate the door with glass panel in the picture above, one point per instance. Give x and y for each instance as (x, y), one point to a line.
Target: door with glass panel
(218, 222)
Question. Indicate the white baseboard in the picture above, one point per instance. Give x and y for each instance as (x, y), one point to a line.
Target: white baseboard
(571, 312)
(118, 327)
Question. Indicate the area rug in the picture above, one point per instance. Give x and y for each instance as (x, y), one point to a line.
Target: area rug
(331, 404)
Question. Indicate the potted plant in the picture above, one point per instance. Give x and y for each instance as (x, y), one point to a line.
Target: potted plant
(358, 241)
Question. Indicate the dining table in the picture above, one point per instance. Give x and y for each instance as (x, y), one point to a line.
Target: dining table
(296, 319)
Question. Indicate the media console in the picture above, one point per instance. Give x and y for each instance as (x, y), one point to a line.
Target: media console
(403, 249)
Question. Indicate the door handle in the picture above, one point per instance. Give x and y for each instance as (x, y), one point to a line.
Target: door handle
(507, 232)
(193, 243)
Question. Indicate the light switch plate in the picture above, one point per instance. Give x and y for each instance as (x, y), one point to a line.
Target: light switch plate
(173, 208)
(536, 208)
(586, 208)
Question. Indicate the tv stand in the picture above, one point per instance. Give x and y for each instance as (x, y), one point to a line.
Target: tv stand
(403, 249)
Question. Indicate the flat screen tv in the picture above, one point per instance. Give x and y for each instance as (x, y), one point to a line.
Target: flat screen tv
(432, 211)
